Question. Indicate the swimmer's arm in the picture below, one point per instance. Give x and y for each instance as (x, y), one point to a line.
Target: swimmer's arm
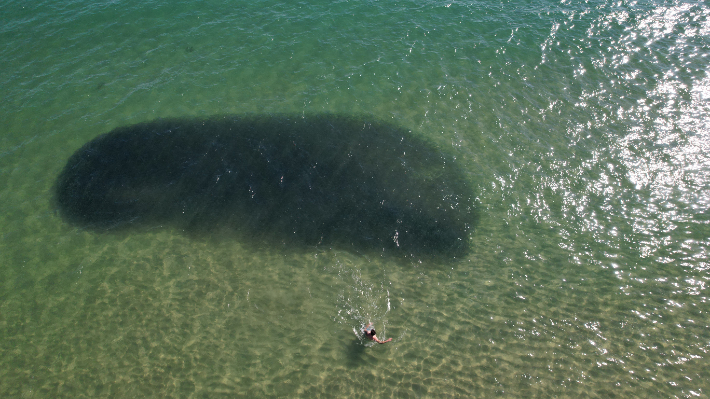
(383, 342)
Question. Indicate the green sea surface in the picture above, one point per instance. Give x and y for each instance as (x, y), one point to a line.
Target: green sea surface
(583, 127)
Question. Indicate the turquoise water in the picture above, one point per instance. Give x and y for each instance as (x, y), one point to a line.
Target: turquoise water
(583, 128)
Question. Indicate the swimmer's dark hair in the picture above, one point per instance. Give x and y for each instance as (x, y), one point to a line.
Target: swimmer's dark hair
(372, 332)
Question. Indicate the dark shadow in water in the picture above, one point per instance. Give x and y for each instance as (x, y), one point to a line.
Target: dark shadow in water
(357, 353)
(325, 179)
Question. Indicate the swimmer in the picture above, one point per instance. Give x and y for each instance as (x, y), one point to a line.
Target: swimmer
(370, 333)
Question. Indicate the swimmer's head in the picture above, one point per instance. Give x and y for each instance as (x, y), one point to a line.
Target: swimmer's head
(372, 332)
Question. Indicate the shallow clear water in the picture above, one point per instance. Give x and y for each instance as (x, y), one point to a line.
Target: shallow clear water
(582, 126)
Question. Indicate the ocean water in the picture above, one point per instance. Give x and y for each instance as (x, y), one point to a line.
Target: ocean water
(582, 127)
